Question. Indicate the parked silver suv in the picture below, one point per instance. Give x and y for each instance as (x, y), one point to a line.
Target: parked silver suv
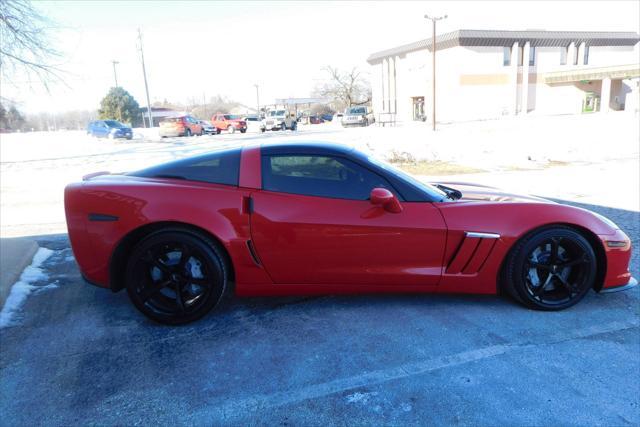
(358, 116)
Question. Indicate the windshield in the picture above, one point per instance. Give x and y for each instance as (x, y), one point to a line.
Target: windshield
(274, 113)
(428, 188)
(114, 124)
(232, 117)
(357, 110)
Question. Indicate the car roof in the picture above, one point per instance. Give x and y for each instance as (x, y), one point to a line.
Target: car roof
(300, 147)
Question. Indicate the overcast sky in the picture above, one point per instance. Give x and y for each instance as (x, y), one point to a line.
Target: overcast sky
(207, 48)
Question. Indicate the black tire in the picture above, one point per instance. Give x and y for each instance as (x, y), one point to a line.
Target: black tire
(243, 131)
(202, 132)
(550, 269)
(263, 130)
(176, 276)
(218, 131)
(231, 129)
(187, 132)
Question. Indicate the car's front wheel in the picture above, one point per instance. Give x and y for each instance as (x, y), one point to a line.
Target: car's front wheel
(187, 132)
(176, 276)
(551, 269)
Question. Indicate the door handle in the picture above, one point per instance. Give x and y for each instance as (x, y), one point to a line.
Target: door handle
(247, 205)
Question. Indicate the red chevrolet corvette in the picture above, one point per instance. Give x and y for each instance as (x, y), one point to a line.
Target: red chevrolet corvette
(313, 218)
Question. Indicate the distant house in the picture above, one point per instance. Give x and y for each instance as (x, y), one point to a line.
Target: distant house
(157, 114)
(489, 73)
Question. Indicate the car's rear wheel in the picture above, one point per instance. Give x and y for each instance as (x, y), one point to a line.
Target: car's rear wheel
(231, 129)
(218, 131)
(176, 276)
(551, 269)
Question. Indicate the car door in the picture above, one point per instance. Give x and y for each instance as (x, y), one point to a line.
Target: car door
(312, 223)
(102, 130)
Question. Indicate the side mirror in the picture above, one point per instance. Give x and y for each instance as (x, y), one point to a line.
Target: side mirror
(385, 198)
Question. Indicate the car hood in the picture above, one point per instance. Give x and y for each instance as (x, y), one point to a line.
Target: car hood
(477, 192)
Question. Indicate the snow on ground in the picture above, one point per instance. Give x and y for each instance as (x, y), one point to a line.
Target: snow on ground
(35, 167)
(25, 286)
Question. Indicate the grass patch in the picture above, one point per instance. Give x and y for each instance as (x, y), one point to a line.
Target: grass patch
(435, 167)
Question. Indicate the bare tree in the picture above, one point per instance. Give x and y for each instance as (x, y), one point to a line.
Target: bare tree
(25, 44)
(345, 88)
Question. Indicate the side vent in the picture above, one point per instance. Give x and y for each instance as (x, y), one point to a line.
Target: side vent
(253, 253)
(472, 253)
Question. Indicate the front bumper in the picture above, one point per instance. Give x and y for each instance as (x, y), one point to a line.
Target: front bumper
(276, 126)
(632, 283)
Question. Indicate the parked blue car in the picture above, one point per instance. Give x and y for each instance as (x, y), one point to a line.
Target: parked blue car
(111, 129)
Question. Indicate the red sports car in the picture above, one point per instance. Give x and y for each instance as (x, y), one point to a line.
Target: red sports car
(314, 218)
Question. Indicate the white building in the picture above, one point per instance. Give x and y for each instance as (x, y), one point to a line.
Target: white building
(480, 74)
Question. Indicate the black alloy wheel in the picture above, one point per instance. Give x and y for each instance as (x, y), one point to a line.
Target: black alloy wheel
(175, 276)
(551, 269)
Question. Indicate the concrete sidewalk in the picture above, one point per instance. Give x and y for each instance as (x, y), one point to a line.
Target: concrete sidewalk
(15, 255)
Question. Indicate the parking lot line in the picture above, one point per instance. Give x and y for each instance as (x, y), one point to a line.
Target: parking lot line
(242, 407)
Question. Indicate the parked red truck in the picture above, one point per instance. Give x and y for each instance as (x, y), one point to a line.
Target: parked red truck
(229, 122)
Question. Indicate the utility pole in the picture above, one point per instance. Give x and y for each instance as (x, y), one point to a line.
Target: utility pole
(115, 75)
(204, 106)
(258, 100)
(146, 86)
(433, 19)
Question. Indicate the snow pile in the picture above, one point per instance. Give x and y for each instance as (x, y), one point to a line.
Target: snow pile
(23, 287)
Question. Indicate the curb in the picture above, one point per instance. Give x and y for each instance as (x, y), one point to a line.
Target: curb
(15, 255)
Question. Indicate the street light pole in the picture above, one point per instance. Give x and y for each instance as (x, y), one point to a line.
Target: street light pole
(115, 75)
(146, 86)
(433, 19)
(258, 100)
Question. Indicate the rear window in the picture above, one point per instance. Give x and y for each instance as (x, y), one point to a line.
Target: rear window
(357, 110)
(221, 167)
(171, 120)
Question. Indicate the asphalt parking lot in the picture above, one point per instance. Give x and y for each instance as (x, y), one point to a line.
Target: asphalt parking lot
(83, 355)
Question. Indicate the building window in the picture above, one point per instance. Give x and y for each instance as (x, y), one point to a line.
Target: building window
(564, 51)
(532, 56)
(586, 55)
(506, 56)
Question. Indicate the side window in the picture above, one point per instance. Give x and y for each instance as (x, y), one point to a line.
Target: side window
(222, 167)
(322, 176)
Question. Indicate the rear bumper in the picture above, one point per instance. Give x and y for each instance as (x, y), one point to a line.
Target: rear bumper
(632, 283)
(170, 132)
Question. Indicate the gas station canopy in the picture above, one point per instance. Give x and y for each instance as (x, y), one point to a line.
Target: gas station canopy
(616, 72)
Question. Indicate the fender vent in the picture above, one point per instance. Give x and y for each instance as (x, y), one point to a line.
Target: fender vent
(472, 253)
